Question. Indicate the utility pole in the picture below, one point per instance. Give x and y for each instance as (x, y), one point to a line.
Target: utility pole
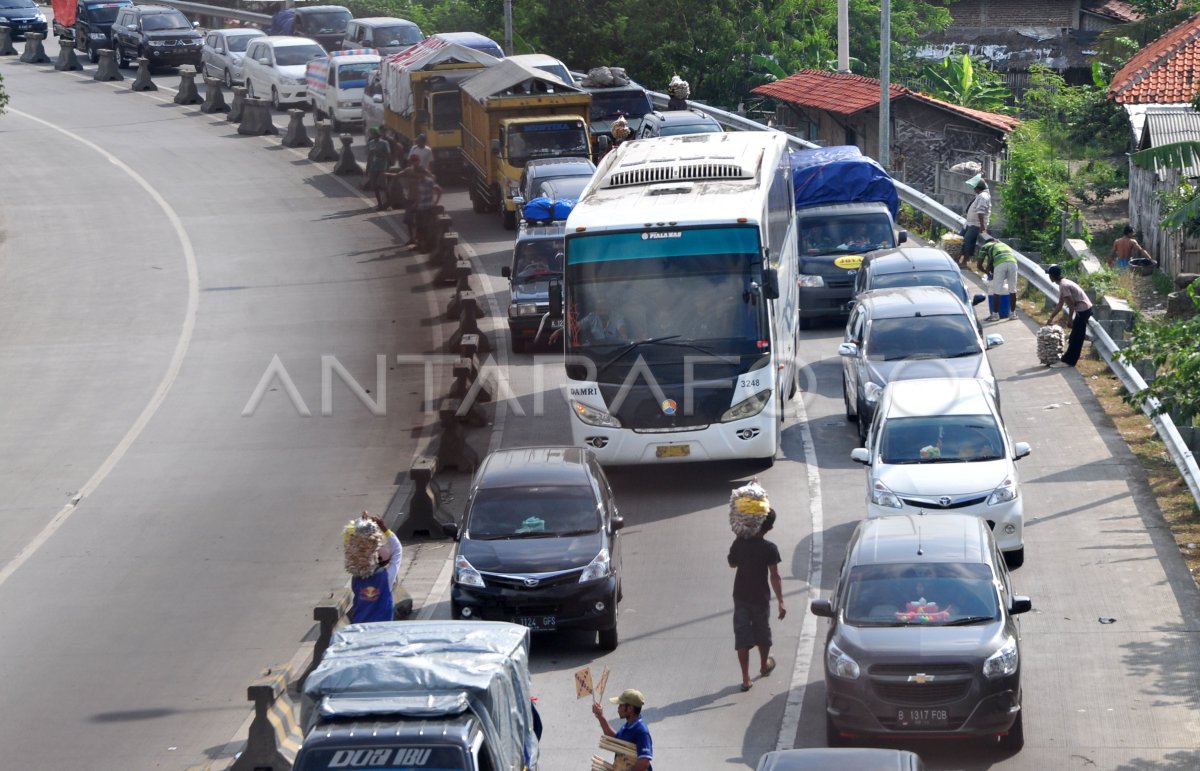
(843, 33)
(885, 82)
(508, 49)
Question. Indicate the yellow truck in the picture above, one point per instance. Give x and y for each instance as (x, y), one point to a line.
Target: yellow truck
(417, 93)
(512, 114)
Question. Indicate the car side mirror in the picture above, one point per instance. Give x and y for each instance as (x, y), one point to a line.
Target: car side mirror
(860, 455)
(976, 299)
(994, 340)
(556, 300)
(770, 283)
(603, 144)
(848, 349)
(506, 272)
(823, 608)
(1020, 450)
(518, 200)
(616, 523)
(378, 99)
(450, 530)
(1020, 605)
(264, 60)
(195, 25)
(902, 238)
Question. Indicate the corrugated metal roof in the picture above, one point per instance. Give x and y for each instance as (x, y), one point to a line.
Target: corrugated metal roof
(509, 74)
(1167, 71)
(1167, 126)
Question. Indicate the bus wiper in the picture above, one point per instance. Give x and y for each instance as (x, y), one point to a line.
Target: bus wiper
(635, 344)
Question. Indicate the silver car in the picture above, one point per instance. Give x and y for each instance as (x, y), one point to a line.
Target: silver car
(224, 50)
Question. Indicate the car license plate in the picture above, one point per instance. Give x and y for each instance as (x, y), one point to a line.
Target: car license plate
(556, 323)
(672, 451)
(538, 623)
(917, 717)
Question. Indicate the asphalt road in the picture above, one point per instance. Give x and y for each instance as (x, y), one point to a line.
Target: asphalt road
(154, 263)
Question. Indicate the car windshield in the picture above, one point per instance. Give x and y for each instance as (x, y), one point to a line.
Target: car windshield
(290, 56)
(921, 594)
(397, 36)
(160, 21)
(631, 104)
(102, 13)
(323, 22)
(675, 129)
(546, 140)
(237, 43)
(356, 75)
(941, 439)
(844, 235)
(922, 337)
(561, 188)
(22, 4)
(558, 70)
(950, 279)
(538, 258)
(533, 512)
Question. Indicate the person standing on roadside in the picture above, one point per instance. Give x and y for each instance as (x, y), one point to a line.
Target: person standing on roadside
(1074, 300)
(977, 219)
(372, 594)
(1123, 249)
(423, 152)
(629, 708)
(379, 152)
(757, 563)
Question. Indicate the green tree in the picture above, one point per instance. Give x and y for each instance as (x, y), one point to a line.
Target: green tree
(968, 81)
(1035, 190)
(1174, 349)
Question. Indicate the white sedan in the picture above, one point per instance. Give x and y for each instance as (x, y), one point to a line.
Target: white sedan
(275, 66)
(224, 52)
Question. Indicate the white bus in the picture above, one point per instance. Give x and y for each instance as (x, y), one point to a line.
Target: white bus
(680, 300)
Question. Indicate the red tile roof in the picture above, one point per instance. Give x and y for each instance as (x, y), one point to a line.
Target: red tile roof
(846, 94)
(1167, 71)
(1112, 9)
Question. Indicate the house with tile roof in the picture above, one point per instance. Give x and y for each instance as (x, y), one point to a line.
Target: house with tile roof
(935, 145)
(1156, 87)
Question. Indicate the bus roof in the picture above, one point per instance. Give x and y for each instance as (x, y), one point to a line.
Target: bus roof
(679, 180)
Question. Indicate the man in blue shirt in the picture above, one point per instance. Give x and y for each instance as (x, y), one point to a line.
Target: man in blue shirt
(629, 708)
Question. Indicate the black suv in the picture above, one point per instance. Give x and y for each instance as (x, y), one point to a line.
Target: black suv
(538, 257)
(923, 642)
(539, 543)
(162, 35)
(93, 26)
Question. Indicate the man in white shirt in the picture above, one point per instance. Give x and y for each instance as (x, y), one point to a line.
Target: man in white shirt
(977, 220)
(423, 152)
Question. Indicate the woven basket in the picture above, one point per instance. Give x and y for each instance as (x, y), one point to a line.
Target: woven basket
(951, 244)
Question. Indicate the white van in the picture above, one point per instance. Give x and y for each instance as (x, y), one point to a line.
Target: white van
(336, 83)
(546, 63)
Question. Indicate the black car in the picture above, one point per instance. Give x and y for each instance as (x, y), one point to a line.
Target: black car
(537, 260)
(674, 122)
(162, 35)
(923, 642)
(325, 24)
(22, 17)
(912, 266)
(93, 25)
(539, 543)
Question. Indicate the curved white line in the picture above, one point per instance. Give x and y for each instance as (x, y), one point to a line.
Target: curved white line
(168, 379)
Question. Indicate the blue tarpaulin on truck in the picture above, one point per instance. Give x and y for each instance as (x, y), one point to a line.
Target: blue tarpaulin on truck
(840, 174)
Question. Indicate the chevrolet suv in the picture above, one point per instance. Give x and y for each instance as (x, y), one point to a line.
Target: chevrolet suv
(162, 35)
(923, 642)
(537, 261)
(539, 543)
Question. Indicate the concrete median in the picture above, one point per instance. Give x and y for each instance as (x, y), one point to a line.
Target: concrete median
(35, 52)
(67, 61)
(214, 97)
(6, 43)
(142, 81)
(187, 93)
(423, 505)
(469, 313)
(107, 69)
(256, 118)
(453, 449)
(462, 272)
(322, 149)
(239, 103)
(275, 733)
(296, 135)
(346, 163)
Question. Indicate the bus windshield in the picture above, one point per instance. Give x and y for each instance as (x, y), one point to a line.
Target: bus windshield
(665, 298)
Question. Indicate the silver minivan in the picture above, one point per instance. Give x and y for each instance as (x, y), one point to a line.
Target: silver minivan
(386, 34)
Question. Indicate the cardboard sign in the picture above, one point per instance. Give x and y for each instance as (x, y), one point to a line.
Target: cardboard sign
(583, 683)
(599, 693)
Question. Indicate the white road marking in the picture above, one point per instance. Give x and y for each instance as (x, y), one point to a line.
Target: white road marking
(168, 379)
(806, 645)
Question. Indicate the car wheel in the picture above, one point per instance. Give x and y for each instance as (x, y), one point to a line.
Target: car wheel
(93, 54)
(509, 218)
(833, 737)
(517, 344)
(122, 62)
(249, 88)
(275, 99)
(608, 639)
(1015, 739)
(478, 205)
(1015, 558)
(850, 415)
(228, 79)
(863, 426)
(805, 323)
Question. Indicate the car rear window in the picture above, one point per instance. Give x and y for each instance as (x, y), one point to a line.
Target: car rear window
(533, 512)
(950, 279)
(940, 439)
(238, 43)
(921, 594)
(289, 56)
(688, 128)
(950, 336)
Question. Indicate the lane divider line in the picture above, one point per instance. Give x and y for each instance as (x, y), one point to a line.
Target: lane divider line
(164, 385)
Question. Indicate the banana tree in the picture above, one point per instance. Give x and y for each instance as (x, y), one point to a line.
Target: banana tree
(963, 81)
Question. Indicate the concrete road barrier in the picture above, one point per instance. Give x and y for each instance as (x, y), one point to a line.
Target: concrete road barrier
(296, 135)
(107, 69)
(322, 149)
(256, 118)
(453, 449)
(469, 314)
(328, 614)
(214, 97)
(67, 60)
(468, 386)
(275, 733)
(35, 52)
(6, 46)
(143, 81)
(187, 93)
(346, 164)
(445, 257)
(422, 520)
(239, 102)
(462, 273)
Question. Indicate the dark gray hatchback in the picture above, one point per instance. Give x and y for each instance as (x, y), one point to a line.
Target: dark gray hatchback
(539, 543)
(923, 642)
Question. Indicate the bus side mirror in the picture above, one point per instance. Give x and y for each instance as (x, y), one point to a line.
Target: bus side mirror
(603, 144)
(556, 305)
(770, 283)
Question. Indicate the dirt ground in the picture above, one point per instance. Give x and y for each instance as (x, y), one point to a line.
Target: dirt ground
(1105, 222)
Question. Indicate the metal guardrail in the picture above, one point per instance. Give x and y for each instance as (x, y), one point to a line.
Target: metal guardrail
(200, 9)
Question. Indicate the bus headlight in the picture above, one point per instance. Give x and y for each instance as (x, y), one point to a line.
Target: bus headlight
(811, 282)
(747, 408)
(593, 416)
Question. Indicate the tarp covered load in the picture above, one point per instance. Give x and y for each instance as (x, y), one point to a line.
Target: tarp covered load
(841, 174)
(509, 78)
(424, 669)
(397, 68)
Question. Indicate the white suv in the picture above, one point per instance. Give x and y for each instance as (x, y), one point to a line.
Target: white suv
(274, 67)
(939, 445)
